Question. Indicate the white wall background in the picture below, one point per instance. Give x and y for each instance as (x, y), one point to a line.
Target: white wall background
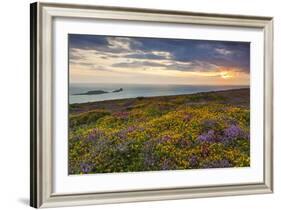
(14, 105)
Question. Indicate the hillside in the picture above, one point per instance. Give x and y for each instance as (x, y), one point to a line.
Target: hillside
(203, 130)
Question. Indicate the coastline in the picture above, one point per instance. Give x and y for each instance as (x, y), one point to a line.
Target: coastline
(239, 97)
(166, 96)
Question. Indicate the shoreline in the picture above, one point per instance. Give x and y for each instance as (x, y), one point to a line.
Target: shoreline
(155, 97)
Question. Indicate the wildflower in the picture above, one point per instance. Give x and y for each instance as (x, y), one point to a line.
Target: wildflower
(234, 132)
(123, 133)
(95, 134)
(85, 168)
(122, 115)
(163, 139)
(167, 164)
(207, 137)
(131, 129)
(193, 161)
(183, 143)
(149, 159)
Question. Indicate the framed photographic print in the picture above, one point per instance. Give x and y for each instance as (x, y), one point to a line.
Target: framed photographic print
(138, 105)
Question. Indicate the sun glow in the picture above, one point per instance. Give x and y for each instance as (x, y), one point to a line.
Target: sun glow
(226, 75)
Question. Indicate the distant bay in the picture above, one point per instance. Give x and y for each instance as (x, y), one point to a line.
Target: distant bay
(136, 90)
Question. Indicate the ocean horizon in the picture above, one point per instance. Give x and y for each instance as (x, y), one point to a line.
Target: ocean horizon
(137, 90)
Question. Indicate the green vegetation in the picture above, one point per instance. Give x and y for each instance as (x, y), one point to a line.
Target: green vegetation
(203, 130)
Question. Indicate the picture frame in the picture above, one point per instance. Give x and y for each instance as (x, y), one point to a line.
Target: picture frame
(42, 82)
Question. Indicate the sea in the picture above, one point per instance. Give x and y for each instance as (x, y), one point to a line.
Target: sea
(137, 90)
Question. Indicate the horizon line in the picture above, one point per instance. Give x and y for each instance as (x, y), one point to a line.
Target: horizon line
(73, 83)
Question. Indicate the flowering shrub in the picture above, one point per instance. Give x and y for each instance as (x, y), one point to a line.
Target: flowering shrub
(206, 130)
(207, 137)
(234, 132)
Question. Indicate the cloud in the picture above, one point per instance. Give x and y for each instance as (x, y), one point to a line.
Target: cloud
(133, 54)
(223, 51)
(160, 55)
(138, 64)
(119, 43)
(100, 43)
(195, 66)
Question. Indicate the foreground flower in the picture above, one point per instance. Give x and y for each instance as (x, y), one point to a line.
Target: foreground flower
(207, 137)
(193, 161)
(167, 164)
(85, 168)
(95, 134)
(234, 132)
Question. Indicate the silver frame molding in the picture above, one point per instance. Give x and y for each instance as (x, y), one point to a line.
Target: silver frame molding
(41, 179)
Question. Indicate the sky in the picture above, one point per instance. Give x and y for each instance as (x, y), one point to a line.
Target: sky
(138, 60)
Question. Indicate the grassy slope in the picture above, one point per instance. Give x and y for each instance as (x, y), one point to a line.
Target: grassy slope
(203, 130)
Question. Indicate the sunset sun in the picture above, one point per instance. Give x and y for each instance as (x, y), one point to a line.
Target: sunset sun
(226, 75)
